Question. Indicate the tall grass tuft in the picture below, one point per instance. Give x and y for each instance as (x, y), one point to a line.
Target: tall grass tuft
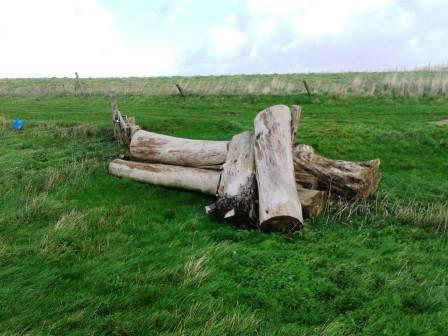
(433, 216)
(196, 271)
(3, 122)
(381, 207)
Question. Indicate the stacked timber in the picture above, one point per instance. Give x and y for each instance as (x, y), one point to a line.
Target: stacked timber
(259, 178)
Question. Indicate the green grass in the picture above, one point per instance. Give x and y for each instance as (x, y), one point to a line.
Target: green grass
(82, 252)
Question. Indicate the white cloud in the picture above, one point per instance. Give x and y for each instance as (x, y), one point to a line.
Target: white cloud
(224, 40)
(232, 19)
(325, 35)
(56, 38)
(313, 17)
(170, 10)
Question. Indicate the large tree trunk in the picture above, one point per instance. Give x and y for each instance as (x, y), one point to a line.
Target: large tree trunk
(344, 178)
(153, 147)
(202, 180)
(237, 192)
(312, 171)
(279, 205)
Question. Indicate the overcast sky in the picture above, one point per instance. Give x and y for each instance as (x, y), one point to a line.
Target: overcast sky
(102, 38)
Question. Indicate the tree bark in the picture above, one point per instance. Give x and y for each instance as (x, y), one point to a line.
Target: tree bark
(279, 205)
(313, 201)
(344, 178)
(153, 147)
(202, 180)
(237, 191)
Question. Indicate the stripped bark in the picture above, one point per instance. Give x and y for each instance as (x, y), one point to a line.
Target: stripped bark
(202, 180)
(344, 178)
(237, 190)
(279, 206)
(153, 147)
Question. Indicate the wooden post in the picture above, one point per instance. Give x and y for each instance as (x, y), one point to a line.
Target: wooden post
(181, 91)
(307, 88)
(78, 86)
(279, 205)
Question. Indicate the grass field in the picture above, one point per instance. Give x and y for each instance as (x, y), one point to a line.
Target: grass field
(82, 252)
(409, 84)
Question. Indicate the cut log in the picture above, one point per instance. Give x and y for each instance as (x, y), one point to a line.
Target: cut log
(312, 171)
(344, 178)
(313, 201)
(305, 179)
(279, 206)
(237, 191)
(159, 148)
(202, 180)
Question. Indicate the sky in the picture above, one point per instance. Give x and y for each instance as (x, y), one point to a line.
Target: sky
(123, 38)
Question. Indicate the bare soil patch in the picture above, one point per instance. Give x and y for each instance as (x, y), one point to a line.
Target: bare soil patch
(439, 122)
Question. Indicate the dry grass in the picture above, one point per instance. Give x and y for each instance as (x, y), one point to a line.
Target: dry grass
(61, 234)
(196, 271)
(239, 322)
(432, 216)
(439, 122)
(397, 84)
(80, 131)
(3, 122)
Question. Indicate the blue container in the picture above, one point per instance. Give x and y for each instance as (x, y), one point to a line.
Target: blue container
(17, 124)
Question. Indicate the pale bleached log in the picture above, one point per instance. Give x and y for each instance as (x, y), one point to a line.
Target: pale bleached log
(237, 191)
(201, 180)
(279, 205)
(312, 171)
(159, 148)
(344, 178)
(195, 179)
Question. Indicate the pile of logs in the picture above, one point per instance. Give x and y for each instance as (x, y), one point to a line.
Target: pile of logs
(259, 178)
